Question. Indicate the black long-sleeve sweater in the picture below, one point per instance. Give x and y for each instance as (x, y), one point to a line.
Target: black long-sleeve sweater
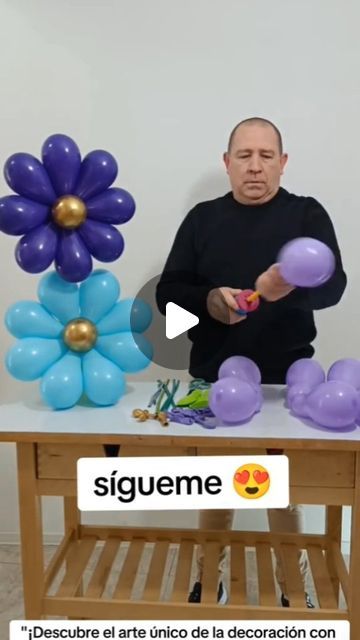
(224, 243)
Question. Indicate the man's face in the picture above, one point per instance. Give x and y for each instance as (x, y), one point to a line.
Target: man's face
(254, 163)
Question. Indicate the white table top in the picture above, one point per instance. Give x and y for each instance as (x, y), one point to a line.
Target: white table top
(273, 422)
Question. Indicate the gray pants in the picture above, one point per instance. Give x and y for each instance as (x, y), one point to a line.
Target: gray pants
(289, 520)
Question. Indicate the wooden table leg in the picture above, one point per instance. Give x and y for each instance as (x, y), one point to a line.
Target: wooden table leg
(72, 516)
(354, 581)
(32, 552)
(333, 525)
(72, 520)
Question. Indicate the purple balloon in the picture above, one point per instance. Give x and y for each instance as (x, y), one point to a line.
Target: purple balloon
(240, 367)
(104, 242)
(19, 215)
(233, 400)
(73, 260)
(62, 161)
(115, 206)
(333, 404)
(36, 250)
(306, 262)
(305, 371)
(259, 395)
(296, 398)
(347, 370)
(98, 171)
(27, 176)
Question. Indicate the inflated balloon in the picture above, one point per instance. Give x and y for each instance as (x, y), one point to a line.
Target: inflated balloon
(306, 262)
(303, 262)
(240, 367)
(78, 339)
(296, 396)
(333, 404)
(347, 370)
(259, 395)
(65, 210)
(233, 400)
(305, 371)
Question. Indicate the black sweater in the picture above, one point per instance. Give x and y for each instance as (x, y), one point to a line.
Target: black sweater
(224, 243)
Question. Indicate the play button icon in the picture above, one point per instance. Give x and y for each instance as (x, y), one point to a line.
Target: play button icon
(178, 320)
(175, 327)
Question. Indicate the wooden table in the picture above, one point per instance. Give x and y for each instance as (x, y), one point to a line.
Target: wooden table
(324, 470)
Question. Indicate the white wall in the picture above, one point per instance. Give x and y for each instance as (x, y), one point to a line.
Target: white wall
(160, 84)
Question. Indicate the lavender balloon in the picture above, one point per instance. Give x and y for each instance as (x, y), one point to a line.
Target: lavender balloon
(333, 404)
(306, 262)
(259, 395)
(296, 398)
(233, 400)
(305, 371)
(347, 370)
(240, 367)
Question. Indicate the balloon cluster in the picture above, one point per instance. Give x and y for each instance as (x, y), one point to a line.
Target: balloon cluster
(65, 210)
(237, 394)
(78, 339)
(331, 401)
(304, 262)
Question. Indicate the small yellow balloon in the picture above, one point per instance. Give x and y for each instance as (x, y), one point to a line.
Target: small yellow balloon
(69, 212)
(80, 335)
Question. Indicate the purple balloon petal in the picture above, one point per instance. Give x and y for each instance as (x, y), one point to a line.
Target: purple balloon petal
(115, 206)
(240, 367)
(27, 176)
(98, 171)
(333, 404)
(233, 400)
(36, 250)
(62, 161)
(73, 260)
(305, 371)
(104, 242)
(296, 398)
(347, 370)
(19, 216)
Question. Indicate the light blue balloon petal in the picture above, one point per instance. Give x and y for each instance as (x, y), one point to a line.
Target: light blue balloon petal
(104, 382)
(62, 384)
(30, 358)
(127, 315)
(98, 295)
(30, 319)
(130, 352)
(59, 297)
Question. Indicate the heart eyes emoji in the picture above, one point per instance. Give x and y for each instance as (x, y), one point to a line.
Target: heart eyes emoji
(251, 481)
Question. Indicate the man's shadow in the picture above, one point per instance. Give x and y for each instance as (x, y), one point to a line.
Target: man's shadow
(212, 184)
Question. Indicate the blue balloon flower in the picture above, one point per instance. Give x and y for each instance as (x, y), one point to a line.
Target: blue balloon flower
(65, 209)
(79, 339)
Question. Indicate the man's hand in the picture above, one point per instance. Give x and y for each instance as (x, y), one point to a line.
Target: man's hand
(272, 286)
(222, 306)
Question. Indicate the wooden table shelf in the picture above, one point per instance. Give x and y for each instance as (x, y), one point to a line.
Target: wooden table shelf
(100, 570)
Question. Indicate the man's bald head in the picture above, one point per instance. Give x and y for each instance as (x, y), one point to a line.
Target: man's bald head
(255, 160)
(256, 121)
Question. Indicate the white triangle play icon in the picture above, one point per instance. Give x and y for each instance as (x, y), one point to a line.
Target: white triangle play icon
(178, 320)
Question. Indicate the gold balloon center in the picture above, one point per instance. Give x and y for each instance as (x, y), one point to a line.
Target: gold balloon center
(80, 335)
(69, 212)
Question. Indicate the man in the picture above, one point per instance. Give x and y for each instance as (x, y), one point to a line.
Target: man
(229, 244)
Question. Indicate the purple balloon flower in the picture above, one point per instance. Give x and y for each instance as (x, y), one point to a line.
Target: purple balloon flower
(65, 209)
